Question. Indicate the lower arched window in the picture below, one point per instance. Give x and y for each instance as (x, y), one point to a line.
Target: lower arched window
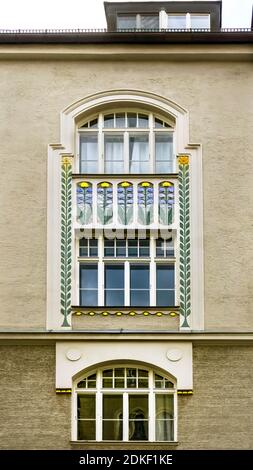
(125, 403)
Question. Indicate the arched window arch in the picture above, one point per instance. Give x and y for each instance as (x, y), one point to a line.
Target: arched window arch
(125, 402)
(126, 140)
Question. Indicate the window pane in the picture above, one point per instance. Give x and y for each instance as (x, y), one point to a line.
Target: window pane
(87, 430)
(88, 298)
(158, 123)
(114, 154)
(88, 276)
(109, 120)
(119, 372)
(143, 247)
(138, 148)
(131, 120)
(164, 417)
(88, 153)
(112, 406)
(142, 120)
(94, 123)
(109, 248)
(93, 247)
(114, 276)
(120, 120)
(126, 22)
(120, 247)
(164, 248)
(83, 247)
(138, 417)
(177, 21)
(139, 276)
(200, 21)
(114, 298)
(139, 298)
(164, 146)
(86, 406)
(133, 247)
(165, 298)
(165, 276)
(150, 22)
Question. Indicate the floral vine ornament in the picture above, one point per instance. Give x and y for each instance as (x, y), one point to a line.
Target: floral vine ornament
(66, 210)
(184, 240)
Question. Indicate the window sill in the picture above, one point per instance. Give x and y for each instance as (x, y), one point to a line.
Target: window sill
(116, 445)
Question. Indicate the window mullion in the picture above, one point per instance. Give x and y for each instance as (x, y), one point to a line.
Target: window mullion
(125, 417)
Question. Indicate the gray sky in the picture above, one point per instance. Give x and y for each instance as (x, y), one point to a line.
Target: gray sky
(36, 14)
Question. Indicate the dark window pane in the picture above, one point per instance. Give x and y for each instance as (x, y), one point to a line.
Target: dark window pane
(113, 430)
(142, 373)
(83, 247)
(139, 298)
(108, 373)
(94, 123)
(133, 247)
(120, 247)
(126, 22)
(88, 276)
(109, 120)
(107, 383)
(158, 123)
(131, 120)
(89, 297)
(143, 247)
(86, 406)
(112, 406)
(109, 248)
(142, 120)
(142, 383)
(87, 430)
(114, 276)
(138, 417)
(160, 247)
(119, 383)
(120, 372)
(93, 247)
(165, 298)
(165, 276)
(164, 417)
(139, 276)
(114, 298)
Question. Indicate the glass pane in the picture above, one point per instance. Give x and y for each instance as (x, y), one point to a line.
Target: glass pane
(120, 120)
(114, 154)
(114, 276)
(109, 248)
(108, 373)
(139, 148)
(164, 417)
(86, 406)
(131, 120)
(112, 406)
(133, 247)
(107, 383)
(164, 248)
(94, 123)
(150, 22)
(109, 120)
(165, 276)
(88, 276)
(88, 297)
(114, 298)
(142, 120)
(158, 123)
(139, 276)
(93, 247)
(113, 430)
(138, 417)
(91, 384)
(139, 298)
(119, 372)
(82, 384)
(126, 22)
(120, 247)
(142, 373)
(164, 147)
(88, 153)
(177, 21)
(143, 247)
(165, 298)
(200, 21)
(143, 383)
(83, 247)
(87, 430)
(139, 167)
(119, 383)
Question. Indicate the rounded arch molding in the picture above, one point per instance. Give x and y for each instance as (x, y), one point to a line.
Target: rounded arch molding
(90, 104)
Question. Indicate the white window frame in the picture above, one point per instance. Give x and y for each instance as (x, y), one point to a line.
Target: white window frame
(102, 260)
(101, 131)
(99, 391)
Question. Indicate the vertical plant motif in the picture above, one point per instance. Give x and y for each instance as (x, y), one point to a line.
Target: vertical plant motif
(66, 209)
(184, 240)
(145, 203)
(105, 203)
(166, 203)
(125, 202)
(84, 202)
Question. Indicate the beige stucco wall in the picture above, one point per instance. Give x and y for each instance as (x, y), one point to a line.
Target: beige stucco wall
(219, 415)
(219, 98)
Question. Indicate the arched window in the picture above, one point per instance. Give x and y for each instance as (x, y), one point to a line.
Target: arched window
(125, 403)
(126, 141)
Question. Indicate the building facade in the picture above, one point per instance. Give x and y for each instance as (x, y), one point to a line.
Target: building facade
(126, 305)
